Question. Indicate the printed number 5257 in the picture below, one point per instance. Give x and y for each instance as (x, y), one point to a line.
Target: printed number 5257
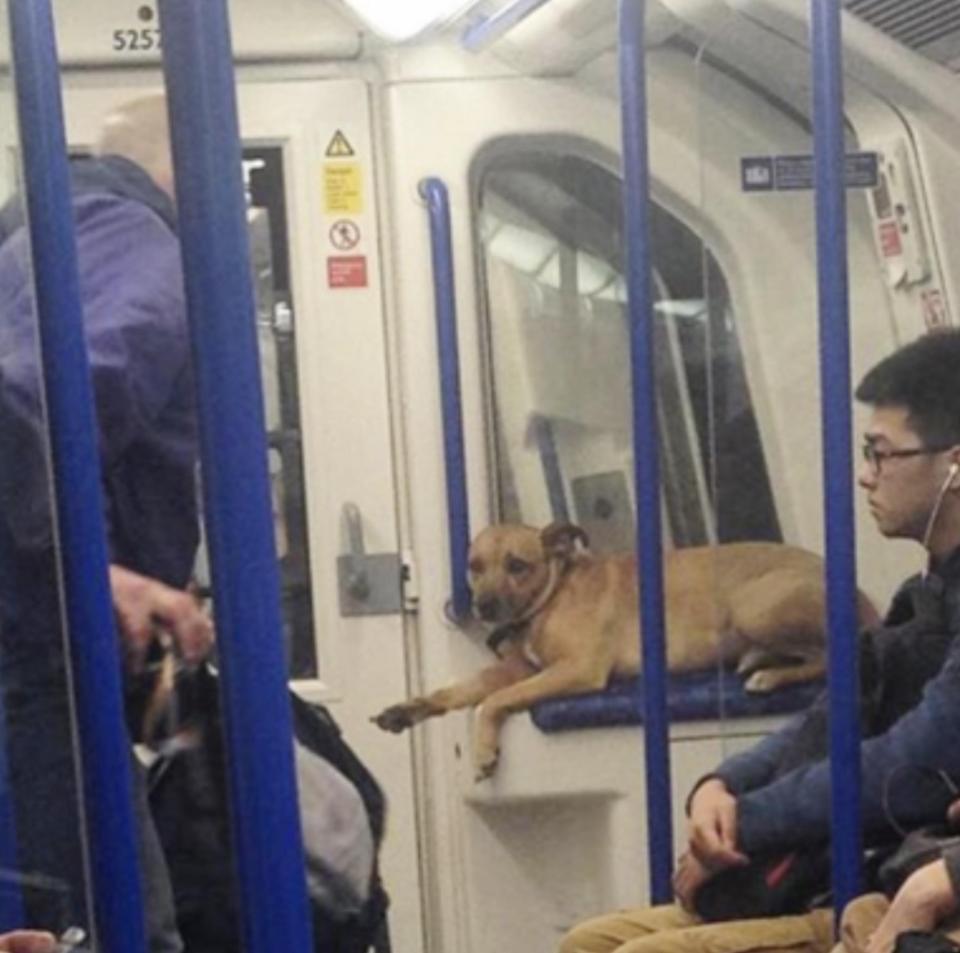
(136, 41)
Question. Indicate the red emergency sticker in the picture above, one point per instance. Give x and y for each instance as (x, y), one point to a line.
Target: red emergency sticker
(890, 239)
(347, 271)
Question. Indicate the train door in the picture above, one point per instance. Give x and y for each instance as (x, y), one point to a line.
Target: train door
(313, 216)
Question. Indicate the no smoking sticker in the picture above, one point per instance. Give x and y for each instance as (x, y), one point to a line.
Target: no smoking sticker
(344, 234)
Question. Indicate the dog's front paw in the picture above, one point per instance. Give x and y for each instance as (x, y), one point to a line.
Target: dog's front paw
(486, 742)
(398, 718)
(763, 682)
(485, 764)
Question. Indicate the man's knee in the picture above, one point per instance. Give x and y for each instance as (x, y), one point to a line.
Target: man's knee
(590, 936)
(609, 932)
(860, 919)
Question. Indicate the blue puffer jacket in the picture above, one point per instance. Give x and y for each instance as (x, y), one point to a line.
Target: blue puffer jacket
(781, 810)
(131, 286)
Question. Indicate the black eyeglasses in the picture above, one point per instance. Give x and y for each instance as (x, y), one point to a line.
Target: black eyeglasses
(875, 457)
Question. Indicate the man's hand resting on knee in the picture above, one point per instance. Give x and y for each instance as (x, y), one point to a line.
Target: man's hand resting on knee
(145, 606)
(712, 827)
(690, 875)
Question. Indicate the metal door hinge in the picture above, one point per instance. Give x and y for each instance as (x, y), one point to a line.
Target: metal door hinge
(410, 581)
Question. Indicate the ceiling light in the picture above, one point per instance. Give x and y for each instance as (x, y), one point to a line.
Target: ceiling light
(402, 19)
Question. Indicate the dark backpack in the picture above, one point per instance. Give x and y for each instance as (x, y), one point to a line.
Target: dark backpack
(915, 941)
(188, 798)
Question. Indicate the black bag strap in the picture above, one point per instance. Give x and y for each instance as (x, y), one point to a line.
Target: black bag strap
(920, 769)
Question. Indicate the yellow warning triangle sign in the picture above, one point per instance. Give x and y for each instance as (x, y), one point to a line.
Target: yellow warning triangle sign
(339, 147)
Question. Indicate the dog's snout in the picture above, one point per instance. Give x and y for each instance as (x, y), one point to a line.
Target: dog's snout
(488, 608)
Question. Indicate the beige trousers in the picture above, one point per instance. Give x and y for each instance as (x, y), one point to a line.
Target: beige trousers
(862, 916)
(670, 929)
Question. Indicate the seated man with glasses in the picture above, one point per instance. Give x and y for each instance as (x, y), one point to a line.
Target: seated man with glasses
(774, 800)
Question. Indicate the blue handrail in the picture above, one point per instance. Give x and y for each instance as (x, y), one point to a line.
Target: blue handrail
(550, 462)
(437, 198)
(646, 452)
(105, 749)
(488, 30)
(198, 69)
(836, 415)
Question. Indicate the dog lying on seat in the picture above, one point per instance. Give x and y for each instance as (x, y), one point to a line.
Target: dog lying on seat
(566, 621)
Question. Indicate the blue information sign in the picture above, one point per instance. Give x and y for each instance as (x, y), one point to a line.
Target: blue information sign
(790, 173)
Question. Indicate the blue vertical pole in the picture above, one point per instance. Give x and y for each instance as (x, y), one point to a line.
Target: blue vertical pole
(198, 67)
(550, 462)
(105, 751)
(838, 462)
(646, 448)
(458, 514)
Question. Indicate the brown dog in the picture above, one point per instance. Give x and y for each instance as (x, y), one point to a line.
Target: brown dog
(566, 621)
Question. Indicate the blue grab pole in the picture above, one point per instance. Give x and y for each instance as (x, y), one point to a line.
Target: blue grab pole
(437, 198)
(838, 462)
(550, 462)
(78, 502)
(646, 453)
(198, 68)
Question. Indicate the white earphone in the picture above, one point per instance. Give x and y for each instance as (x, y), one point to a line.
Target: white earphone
(952, 472)
(950, 482)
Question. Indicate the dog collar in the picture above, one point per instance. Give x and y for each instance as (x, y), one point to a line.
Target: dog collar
(513, 628)
(545, 596)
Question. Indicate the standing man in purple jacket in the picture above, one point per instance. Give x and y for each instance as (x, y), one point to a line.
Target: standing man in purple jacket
(134, 314)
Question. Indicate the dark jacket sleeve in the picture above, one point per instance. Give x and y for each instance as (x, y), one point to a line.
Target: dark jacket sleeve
(757, 766)
(795, 808)
(134, 317)
(24, 475)
(132, 291)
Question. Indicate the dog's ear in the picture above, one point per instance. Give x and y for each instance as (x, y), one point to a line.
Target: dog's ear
(559, 540)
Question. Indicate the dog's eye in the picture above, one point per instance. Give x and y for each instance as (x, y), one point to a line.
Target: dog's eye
(516, 566)
(475, 566)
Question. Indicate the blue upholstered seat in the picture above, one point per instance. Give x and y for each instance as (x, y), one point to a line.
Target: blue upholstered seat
(695, 697)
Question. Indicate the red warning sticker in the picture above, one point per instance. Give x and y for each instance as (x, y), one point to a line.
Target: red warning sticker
(347, 271)
(890, 239)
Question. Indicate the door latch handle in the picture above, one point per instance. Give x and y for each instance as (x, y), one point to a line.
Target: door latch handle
(369, 583)
(355, 580)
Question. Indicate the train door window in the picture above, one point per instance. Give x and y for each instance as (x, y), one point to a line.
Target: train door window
(276, 334)
(551, 241)
(276, 330)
